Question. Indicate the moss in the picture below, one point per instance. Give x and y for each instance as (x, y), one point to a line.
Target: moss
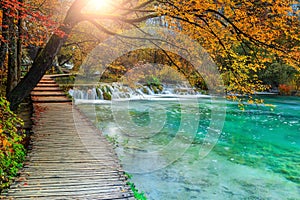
(160, 87)
(155, 90)
(145, 91)
(106, 96)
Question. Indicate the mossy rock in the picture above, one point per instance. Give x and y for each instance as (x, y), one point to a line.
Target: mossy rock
(155, 90)
(160, 87)
(106, 96)
(102, 88)
(145, 91)
(108, 89)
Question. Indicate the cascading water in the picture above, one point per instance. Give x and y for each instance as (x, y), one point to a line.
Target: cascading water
(120, 91)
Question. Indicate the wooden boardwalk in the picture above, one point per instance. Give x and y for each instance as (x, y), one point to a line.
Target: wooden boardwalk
(58, 165)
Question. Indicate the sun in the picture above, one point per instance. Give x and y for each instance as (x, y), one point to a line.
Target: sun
(98, 6)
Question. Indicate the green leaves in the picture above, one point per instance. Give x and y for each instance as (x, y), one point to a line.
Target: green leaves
(138, 195)
(12, 152)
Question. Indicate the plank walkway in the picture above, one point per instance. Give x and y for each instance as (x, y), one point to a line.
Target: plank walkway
(58, 165)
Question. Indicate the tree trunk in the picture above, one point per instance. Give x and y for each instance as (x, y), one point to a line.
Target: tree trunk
(12, 75)
(19, 44)
(3, 51)
(45, 58)
(39, 67)
(3, 43)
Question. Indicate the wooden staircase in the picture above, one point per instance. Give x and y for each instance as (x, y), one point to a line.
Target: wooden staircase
(48, 91)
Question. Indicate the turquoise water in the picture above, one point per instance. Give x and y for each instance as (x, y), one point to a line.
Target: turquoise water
(256, 156)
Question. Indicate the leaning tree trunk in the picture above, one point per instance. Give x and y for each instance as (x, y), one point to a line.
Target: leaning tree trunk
(45, 58)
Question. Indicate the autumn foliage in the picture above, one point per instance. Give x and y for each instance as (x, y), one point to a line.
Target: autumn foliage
(12, 152)
(243, 37)
(37, 18)
(285, 89)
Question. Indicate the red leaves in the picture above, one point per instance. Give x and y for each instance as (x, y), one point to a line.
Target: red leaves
(60, 33)
(285, 89)
(38, 25)
(11, 4)
(38, 109)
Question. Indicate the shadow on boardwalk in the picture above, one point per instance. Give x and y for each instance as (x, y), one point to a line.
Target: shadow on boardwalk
(58, 165)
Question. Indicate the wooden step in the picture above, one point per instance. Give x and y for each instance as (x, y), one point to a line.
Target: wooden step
(47, 81)
(47, 85)
(47, 89)
(50, 99)
(47, 93)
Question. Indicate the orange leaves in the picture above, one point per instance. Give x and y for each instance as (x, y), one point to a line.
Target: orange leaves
(11, 151)
(285, 89)
(5, 144)
(243, 37)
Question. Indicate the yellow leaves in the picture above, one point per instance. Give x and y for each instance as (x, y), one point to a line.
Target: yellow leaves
(252, 35)
(243, 78)
(250, 101)
(6, 143)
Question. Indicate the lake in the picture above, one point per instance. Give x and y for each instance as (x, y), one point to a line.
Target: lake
(255, 153)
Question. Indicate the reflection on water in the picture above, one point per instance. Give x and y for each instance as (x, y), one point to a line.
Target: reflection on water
(257, 155)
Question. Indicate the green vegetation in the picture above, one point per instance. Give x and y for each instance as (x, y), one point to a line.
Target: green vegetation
(106, 96)
(282, 77)
(138, 195)
(112, 140)
(153, 81)
(66, 83)
(12, 152)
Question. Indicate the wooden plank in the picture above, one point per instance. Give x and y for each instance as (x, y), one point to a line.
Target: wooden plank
(47, 85)
(47, 93)
(77, 197)
(47, 89)
(47, 81)
(58, 165)
(66, 183)
(47, 99)
(38, 194)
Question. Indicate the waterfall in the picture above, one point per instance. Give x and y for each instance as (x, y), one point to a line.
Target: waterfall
(99, 93)
(108, 91)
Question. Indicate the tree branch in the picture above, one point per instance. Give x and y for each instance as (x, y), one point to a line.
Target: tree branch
(81, 42)
(240, 32)
(137, 8)
(87, 17)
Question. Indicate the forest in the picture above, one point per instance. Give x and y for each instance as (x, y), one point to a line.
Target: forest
(255, 45)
